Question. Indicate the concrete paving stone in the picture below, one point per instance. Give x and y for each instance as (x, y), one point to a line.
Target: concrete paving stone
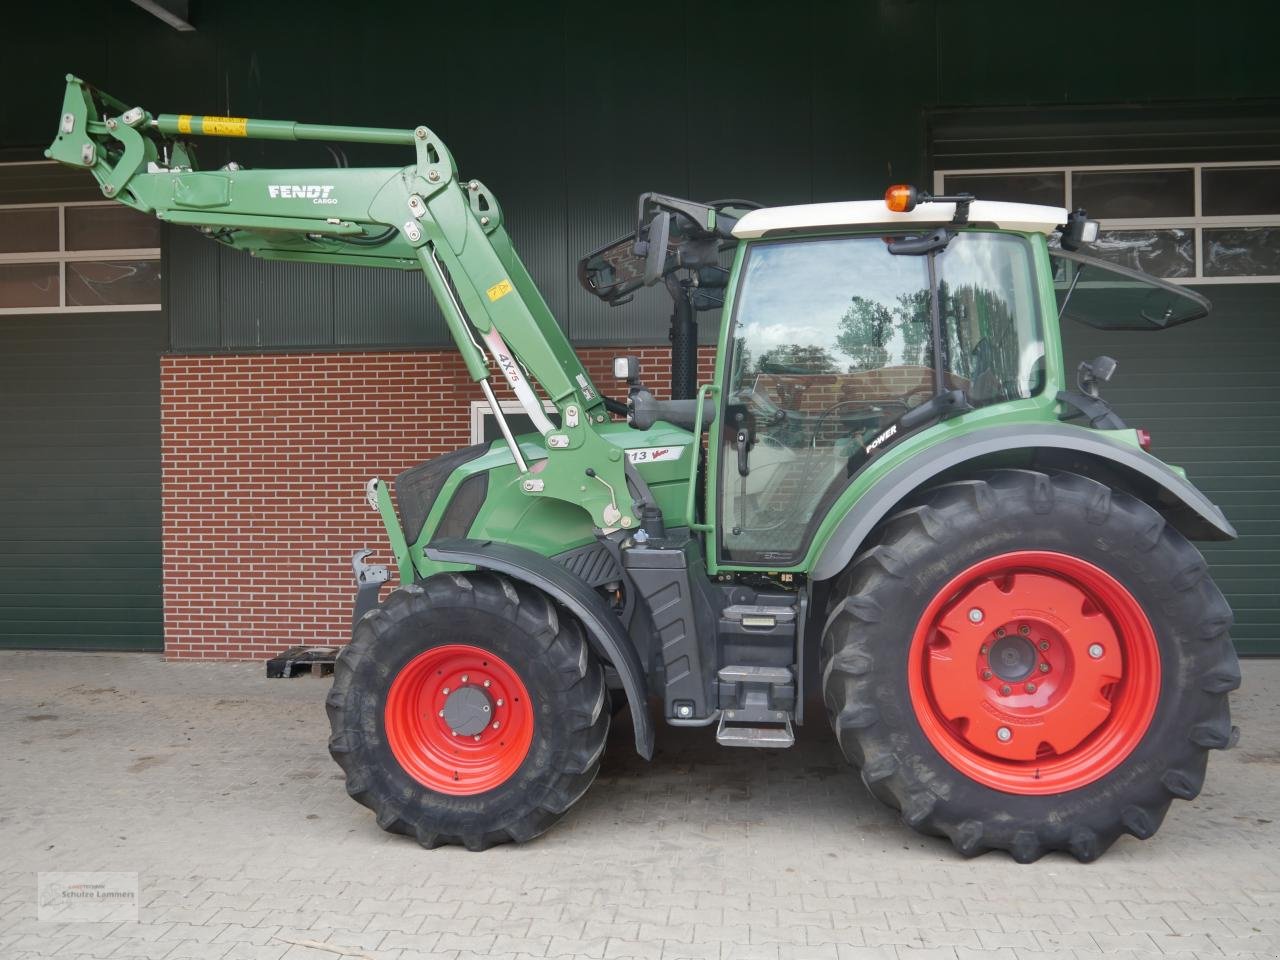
(1249, 928)
(382, 923)
(1083, 925)
(782, 934)
(238, 933)
(1020, 923)
(558, 928)
(459, 942)
(981, 953)
(201, 933)
(620, 949)
(255, 951)
(534, 946)
(1110, 942)
(502, 926)
(144, 950)
(749, 951)
(190, 950)
(202, 916)
(611, 930)
(862, 952)
(576, 947)
(1236, 946)
(924, 953)
(837, 935)
(674, 950)
(806, 951)
(331, 920)
(680, 932)
(1062, 942)
(96, 946)
(993, 940)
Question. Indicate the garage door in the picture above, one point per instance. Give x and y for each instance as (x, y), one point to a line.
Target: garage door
(80, 481)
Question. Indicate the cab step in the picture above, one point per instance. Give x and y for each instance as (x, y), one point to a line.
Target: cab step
(756, 705)
(774, 735)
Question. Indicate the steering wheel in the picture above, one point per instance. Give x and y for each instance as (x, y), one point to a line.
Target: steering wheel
(895, 408)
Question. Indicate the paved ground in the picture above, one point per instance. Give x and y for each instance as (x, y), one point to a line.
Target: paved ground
(214, 785)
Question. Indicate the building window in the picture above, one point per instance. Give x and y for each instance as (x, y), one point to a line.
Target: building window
(485, 429)
(1191, 222)
(78, 258)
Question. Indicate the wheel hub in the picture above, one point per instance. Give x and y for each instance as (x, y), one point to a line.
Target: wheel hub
(1034, 672)
(1012, 658)
(467, 711)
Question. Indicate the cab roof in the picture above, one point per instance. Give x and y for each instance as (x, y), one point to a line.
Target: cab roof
(1026, 217)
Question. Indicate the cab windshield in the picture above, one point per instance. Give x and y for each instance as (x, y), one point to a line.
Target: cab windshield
(832, 344)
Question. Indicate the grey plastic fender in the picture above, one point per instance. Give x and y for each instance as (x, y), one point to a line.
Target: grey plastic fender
(911, 475)
(607, 636)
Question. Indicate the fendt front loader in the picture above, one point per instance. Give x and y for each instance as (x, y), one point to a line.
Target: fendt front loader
(1018, 645)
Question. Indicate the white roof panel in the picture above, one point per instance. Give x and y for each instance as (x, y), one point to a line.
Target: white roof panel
(866, 213)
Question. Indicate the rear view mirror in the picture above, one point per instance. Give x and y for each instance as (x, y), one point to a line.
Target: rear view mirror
(655, 261)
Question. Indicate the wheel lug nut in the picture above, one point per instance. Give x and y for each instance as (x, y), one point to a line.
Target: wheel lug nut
(1031, 688)
(1024, 629)
(1095, 650)
(476, 738)
(1044, 644)
(454, 732)
(446, 691)
(440, 714)
(986, 675)
(499, 701)
(1004, 734)
(975, 615)
(496, 724)
(488, 683)
(1044, 668)
(464, 678)
(1006, 690)
(983, 650)
(1000, 631)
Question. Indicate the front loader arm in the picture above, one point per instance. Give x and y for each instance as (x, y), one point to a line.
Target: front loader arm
(418, 216)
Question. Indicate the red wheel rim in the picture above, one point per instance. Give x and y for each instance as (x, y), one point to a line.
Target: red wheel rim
(443, 686)
(1034, 672)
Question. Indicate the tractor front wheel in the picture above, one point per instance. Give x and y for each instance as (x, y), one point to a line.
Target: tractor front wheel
(467, 709)
(1029, 663)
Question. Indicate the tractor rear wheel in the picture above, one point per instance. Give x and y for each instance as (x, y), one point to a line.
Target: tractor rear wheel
(468, 710)
(1029, 663)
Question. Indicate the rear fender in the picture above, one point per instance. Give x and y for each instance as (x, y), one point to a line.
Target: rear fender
(605, 631)
(1048, 446)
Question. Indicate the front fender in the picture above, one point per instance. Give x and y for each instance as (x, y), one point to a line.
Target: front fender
(608, 637)
(914, 473)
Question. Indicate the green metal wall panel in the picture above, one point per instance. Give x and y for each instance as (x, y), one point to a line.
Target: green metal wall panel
(1206, 391)
(80, 562)
(568, 114)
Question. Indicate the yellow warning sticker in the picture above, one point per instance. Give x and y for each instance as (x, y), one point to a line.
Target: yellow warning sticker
(499, 290)
(225, 126)
(184, 123)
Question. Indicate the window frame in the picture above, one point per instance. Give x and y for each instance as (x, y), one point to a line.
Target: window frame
(63, 256)
(1197, 223)
(480, 409)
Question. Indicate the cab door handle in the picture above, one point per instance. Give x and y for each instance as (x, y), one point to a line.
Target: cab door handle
(743, 443)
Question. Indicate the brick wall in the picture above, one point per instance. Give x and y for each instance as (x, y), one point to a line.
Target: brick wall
(264, 463)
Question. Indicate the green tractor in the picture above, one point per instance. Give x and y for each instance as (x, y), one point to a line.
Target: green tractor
(894, 494)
